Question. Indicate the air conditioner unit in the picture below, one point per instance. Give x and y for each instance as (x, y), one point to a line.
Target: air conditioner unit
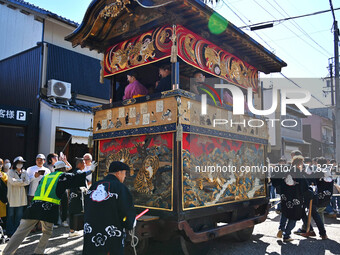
(59, 89)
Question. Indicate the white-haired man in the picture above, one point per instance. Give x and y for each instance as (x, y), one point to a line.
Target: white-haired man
(88, 162)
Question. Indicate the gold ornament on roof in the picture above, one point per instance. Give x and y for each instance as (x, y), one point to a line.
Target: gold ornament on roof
(112, 10)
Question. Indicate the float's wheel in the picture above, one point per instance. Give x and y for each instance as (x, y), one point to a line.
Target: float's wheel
(190, 248)
(243, 235)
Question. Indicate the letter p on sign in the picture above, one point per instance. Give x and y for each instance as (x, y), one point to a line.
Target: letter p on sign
(21, 115)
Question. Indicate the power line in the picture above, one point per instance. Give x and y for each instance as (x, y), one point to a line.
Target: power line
(289, 18)
(298, 26)
(291, 30)
(246, 24)
(272, 49)
(273, 41)
(301, 88)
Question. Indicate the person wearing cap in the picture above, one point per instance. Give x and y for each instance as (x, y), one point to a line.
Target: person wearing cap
(45, 206)
(135, 88)
(109, 210)
(36, 173)
(16, 194)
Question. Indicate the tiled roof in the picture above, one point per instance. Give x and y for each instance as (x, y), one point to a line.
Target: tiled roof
(322, 112)
(42, 11)
(73, 107)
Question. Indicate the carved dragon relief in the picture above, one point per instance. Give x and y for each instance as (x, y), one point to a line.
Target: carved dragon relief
(112, 10)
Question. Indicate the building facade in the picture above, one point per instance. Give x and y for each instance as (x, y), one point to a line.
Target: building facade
(34, 52)
(285, 134)
(318, 130)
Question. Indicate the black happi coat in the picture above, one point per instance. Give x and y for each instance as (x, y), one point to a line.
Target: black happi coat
(324, 192)
(293, 196)
(109, 210)
(46, 211)
(324, 189)
(75, 198)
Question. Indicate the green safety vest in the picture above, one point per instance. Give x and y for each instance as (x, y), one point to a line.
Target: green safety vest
(46, 190)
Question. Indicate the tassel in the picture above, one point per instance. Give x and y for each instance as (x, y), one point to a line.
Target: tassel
(174, 50)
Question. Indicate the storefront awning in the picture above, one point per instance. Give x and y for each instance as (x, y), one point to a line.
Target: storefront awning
(78, 136)
(294, 140)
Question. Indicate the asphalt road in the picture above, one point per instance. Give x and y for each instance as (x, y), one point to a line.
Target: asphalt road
(263, 241)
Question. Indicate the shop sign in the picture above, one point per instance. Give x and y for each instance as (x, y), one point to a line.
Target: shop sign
(14, 115)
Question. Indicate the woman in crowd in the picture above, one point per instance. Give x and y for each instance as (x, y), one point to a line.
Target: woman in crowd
(17, 197)
(7, 165)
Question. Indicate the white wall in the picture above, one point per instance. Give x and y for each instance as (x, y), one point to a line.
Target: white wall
(51, 119)
(18, 32)
(55, 32)
(46, 132)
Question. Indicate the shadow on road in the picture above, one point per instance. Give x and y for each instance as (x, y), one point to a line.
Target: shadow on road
(311, 246)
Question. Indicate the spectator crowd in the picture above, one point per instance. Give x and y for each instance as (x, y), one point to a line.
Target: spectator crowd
(52, 194)
(309, 190)
(34, 202)
(19, 184)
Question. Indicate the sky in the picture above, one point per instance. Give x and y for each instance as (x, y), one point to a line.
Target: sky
(305, 44)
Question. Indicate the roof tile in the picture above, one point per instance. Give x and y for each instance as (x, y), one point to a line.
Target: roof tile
(43, 11)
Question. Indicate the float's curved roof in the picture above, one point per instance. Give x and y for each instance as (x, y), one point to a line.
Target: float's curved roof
(101, 29)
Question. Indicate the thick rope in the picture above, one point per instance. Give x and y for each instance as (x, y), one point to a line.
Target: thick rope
(134, 240)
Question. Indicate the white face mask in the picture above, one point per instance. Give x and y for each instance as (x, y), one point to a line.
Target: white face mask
(20, 166)
(7, 166)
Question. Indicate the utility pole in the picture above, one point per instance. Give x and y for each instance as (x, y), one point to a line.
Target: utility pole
(337, 88)
(333, 108)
